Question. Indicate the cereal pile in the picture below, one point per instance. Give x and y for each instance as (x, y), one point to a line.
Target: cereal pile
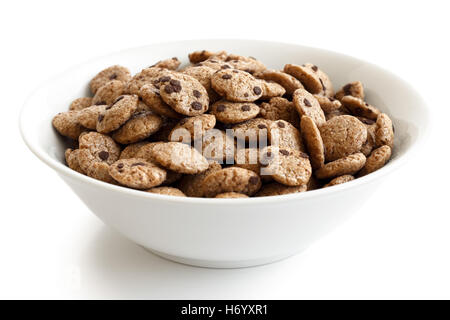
(224, 126)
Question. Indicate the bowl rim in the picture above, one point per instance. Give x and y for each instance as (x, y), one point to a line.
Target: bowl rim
(66, 171)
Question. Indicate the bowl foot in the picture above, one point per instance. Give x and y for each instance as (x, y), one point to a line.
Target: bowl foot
(219, 264)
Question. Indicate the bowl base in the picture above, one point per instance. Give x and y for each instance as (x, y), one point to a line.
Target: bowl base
(219, 264)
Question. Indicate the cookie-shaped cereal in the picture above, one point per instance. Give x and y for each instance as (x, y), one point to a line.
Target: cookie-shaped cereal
(171, 64)
(185, 95)
(342, 136)
(328, 104)
(137, 173)
(168, 191)
(236, 85)
(112, 73)
(288, 82)
(231, 195)
(234, 112)
(285, 135)
(151, 96)
(231, 179)
(191, 185)
(179, 157)
(384, 132)
(376, 160)
(354, 89)
(286, 166)
(312, 78)
(307, 105)
(199, 56)
(109, 92)
(313, 140)
(87, 117)
(348, 165)
(117, 113)
(360, 108)
(80, 103)
(278, 189)
(146, 76)
(72, 160)
(131, 150)
(140, 126)
(253, 129)
(271, 89)
(66, 123)
(340, 180)
(203, 74)
(247, 64)
(280, 109)
(189, 129)
(218, 146)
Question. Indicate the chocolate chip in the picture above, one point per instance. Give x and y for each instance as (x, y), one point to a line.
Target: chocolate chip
(225, 66)
(140, 98)
(262, 126)
(315, 68)
(268, 154)
(284, 152)
(281, 124)
(253, 180)
(366, 104)
(221, 108)
(120, 166)
(196, 105)
(226, 76)
(323, 86)
(138, 164)
(304, 155)
(175, 83)
(307, 103)
(104, 155)
(164, 79)
(197, 93)
(245, 107)
(347, 88)
(235, 71)
(169, 89)
(100, 103)
(246, 94)
(113, 76)
(100, 117)
(257, 90)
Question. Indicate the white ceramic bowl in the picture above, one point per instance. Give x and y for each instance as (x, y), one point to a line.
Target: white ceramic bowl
(225, 232)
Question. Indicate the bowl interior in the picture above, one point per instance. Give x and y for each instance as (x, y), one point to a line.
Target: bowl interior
(383, 89)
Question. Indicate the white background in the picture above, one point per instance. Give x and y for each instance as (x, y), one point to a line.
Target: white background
(396, 246)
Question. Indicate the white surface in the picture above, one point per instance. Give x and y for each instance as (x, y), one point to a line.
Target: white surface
(226, 233)
(397, 246)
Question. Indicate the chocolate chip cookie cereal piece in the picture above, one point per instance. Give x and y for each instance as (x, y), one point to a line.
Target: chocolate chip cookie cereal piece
(66, 123)
(218, 146)
(185, 95)
(348, 165)
(168, 191)
(199, 56)
(192, 128)
(137, 173)
(231, 179)
(151, 96)
(236, 85)
(307, 105)
(253, 129)
(313, 141)
(340, 180)
(146, 76)
(354, 89)
(171, 64)
(234, 112)
(288, 82)
(131, 150)
(117, 113)
(278, 189)
(80, 103)
(342, 136)
(384, 132)
(286, 166)
(72, 160)
(180, 157)
(271, 89)
(285, 135)
(376, 160)
(312, 78)
(248, 64)
(191, 185)
(139, 127)
(112, 73)
(230, 195)
(328, 104)
(203, 74)
(87, 117)
(109, 92)
(280, 109)
(360, 108)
